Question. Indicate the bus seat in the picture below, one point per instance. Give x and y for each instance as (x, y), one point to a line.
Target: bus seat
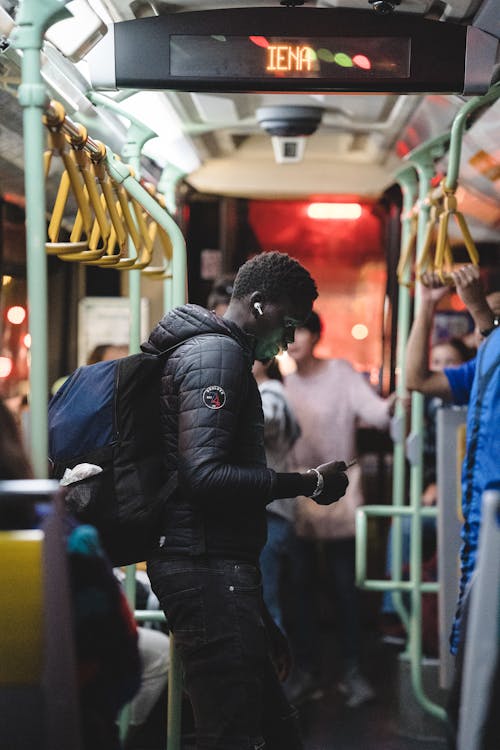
(21, 616)
(21, 639)
(38, 678)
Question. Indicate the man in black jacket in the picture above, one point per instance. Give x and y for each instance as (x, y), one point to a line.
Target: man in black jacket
(205, 569)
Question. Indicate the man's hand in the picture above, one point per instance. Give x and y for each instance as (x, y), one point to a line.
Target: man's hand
(470, 290)
(432, 289)
(335, 480)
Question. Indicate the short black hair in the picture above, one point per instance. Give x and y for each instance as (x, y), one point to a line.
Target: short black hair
(276, 275)
(313, 323)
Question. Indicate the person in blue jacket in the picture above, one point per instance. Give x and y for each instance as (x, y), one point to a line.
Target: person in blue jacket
(477, 384)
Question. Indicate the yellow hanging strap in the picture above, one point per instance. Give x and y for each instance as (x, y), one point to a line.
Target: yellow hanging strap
(123, 207)
(161, 243)
(426, 259)
(443, 264)
(53, 122)
(117, 239)
(108, 218)
(99, 233)
(69, 181)
(146, 240)
(84, 219)
(406, 259)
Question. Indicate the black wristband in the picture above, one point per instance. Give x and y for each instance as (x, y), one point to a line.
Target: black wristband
(486, 331)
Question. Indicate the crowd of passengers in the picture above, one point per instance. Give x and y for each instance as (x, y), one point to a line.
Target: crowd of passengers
(254, 511)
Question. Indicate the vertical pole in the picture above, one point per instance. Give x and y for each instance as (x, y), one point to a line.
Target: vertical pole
(424, 164)
(408, 182)
(32, 97)
(167, 185)
(32, 20)
(132, 154)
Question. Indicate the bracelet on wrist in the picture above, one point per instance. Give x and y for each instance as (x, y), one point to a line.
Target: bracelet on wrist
(320, 482)
(486, 331)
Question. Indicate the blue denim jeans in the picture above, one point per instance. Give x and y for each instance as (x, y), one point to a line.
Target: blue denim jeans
(214, 610)
(277, 550)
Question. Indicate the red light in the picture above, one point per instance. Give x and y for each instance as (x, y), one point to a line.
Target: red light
(437, 179)
(5, 367)
(362, 62)
(260, 41)
(16, 315)
(402, 149)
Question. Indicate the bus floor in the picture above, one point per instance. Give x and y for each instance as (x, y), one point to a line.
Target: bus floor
(328, 724)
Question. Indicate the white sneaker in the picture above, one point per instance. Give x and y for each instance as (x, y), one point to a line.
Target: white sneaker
(356, 688)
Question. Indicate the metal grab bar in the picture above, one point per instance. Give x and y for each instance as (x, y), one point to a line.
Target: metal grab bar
(384, 511)
(56, 119)
(407, 179)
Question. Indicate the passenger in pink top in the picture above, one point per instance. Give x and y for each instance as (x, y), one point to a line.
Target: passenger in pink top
(330, 399)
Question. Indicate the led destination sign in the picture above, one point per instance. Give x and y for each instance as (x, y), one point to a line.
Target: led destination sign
(321, 50)
(255, 57)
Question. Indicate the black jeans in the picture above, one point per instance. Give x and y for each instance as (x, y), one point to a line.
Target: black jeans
(214, 610)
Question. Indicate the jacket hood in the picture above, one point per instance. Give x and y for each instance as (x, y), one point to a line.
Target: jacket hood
(182, 323)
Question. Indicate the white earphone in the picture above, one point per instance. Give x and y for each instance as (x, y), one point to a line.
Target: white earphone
(258, 307)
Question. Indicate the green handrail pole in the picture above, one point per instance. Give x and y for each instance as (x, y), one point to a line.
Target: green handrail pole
(385, 511)
(167, 184)
(360, 548)
(120, 173)
(408, 182)
(137, 136)
(168, 293)
(458, 128)
(33, 19)
(424, 164)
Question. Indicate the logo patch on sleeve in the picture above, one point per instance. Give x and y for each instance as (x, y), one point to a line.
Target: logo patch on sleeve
(214, 397)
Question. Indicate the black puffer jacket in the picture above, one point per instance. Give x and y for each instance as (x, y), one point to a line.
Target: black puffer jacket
(213, 431)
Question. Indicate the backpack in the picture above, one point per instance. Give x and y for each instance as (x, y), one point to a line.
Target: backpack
(107, 415)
